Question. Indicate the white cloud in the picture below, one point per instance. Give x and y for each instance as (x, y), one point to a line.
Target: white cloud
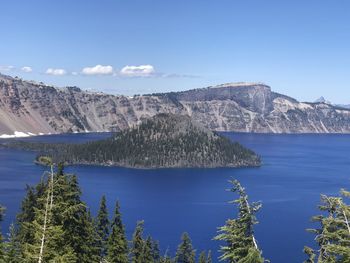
(6, 68)
(98, 70)
(75, 73)
(56, 72)
(138, 71)
(27, 69)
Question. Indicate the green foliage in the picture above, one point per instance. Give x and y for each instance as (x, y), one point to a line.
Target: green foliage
(102, 227)
(147, 256)
(22, 234)
(166, 258)
(155, 251)
(163, 141)
(69, 235)
(93, 252)
(117, 251)
(333, 235)
(73, 215)
(27, 213)
(44, 160)
(48, 235)
(12, 248)
(185, 252)
(137, 244)
(202, 257)
(311, 255)
(238, 233)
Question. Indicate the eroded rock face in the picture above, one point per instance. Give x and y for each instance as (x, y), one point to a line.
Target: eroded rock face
(243, 107)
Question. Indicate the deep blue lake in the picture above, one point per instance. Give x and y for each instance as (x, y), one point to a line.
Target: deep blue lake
(295, 170)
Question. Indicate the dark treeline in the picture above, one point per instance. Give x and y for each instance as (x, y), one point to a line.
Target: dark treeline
(55, 225)
(163, 141)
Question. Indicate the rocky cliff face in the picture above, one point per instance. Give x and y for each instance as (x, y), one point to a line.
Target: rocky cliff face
(244, 107)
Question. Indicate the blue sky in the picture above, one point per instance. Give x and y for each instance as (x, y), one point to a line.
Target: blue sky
(300, 48)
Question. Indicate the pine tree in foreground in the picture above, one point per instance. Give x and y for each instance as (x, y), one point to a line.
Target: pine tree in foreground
(209, 259)
(166, 258)
(73, 215)
(147, 251)
(94, 252)
(21, 234)
(48, 242)
(185, 252)
(27, 214)
(117, 248)
(238, 233)
(68, 235)
(333, 236)
(155, 251)
(12, 247)
(102, 227)
(137, 244)
(202, 257)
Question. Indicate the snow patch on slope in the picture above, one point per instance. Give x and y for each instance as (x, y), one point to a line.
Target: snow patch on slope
(17, 134)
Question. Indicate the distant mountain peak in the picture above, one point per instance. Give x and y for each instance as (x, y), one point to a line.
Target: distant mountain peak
(322, 100)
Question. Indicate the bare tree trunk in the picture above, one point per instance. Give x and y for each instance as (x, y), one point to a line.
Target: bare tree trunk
(51, 202)
(47, 209)
(254, 240)
(44, 228)
(345, 218)
(248, 207)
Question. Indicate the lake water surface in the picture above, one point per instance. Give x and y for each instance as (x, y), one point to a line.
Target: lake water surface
(295, 170)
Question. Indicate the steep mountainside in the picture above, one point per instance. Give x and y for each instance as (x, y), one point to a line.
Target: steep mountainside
(243, 107)
(163, 141)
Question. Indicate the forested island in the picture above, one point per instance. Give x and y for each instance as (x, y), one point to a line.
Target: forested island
(163, 141)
